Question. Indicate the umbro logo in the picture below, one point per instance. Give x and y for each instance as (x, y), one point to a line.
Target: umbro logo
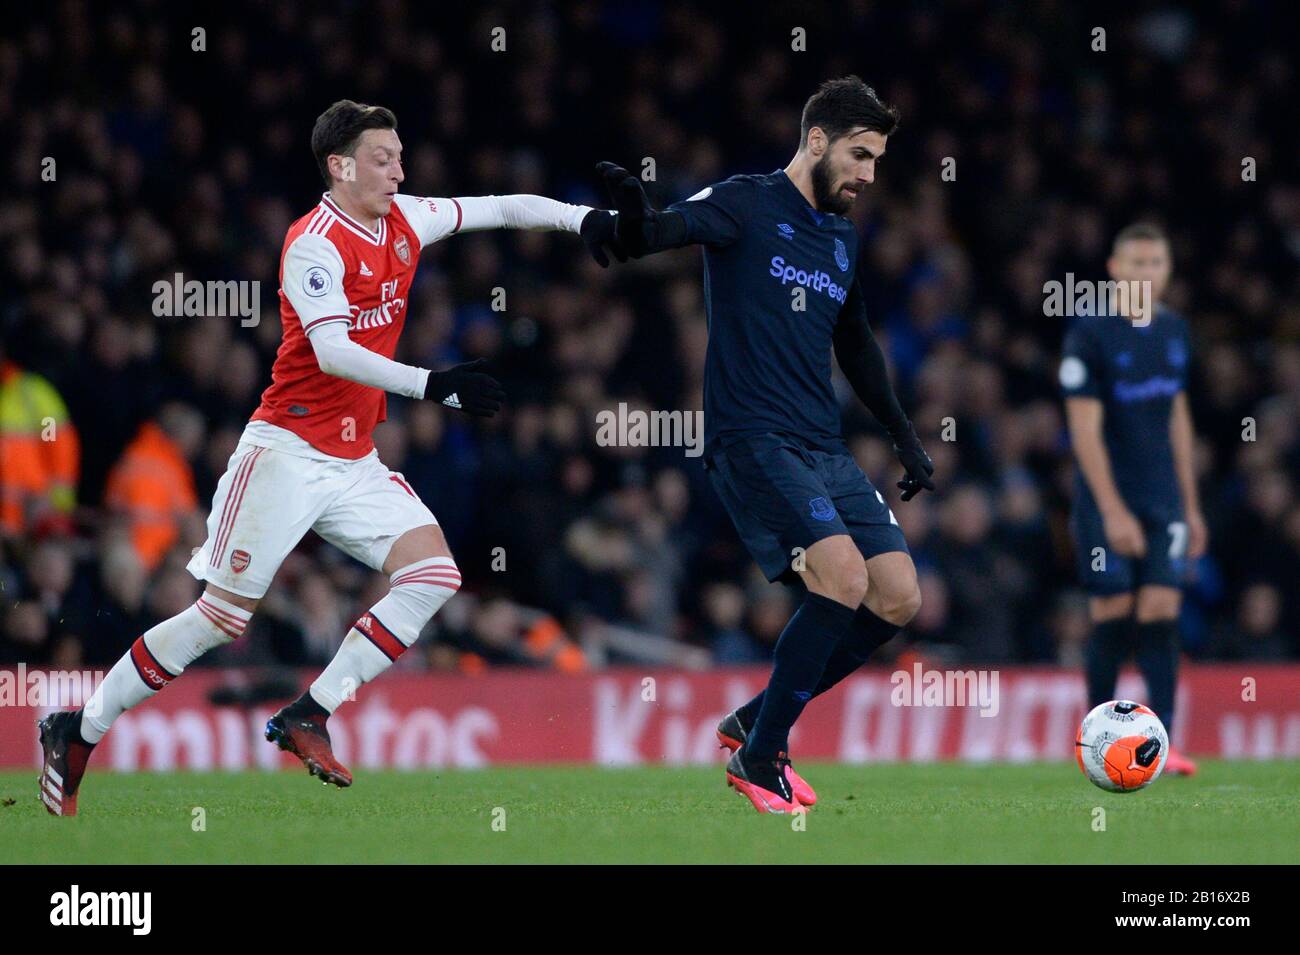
(452, 400)
(365, 269)
(785, 230)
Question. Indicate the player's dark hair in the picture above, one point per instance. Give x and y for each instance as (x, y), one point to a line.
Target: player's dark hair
(1139, 230)
(339, 128)
(843, 105)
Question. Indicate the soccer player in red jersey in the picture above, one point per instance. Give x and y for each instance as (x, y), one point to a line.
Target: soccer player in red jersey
(306, 460)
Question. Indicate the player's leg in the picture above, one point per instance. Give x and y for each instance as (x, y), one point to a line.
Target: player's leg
(1156, 646)
(1159, 601)
(156, 658)
(783, 512)
(243, 550)
(1108, 579)
(382, 523)
(893, 599)
(836, 579)
(422, 577)
(1109, 644)
(893, 593)
(162, 653)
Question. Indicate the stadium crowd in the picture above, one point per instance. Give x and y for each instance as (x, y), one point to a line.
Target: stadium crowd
(135, 156)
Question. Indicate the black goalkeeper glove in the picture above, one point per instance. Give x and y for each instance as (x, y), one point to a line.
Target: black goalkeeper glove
(639, 227)
(467, 389)
(915, 462)
(598, 232)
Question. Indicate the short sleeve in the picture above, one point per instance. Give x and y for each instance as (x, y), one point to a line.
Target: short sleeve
(312, 281)
(716, 214)
(1080, 365)
(432, 219)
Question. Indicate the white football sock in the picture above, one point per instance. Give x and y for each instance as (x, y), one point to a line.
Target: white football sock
(387, 629)
(159, 657)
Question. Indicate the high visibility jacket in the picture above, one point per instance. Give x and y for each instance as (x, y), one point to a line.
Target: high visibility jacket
(153, 485)
(40, 454)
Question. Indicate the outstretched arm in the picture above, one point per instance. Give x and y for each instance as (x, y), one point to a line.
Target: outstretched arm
(535, 213)
(863, 364)
(435, 219)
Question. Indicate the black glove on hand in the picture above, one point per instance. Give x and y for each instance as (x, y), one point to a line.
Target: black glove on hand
(635, 219)
(915, 462)
(598, 232)
(467, 389)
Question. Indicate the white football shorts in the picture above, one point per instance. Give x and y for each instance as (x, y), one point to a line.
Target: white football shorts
(268, 499)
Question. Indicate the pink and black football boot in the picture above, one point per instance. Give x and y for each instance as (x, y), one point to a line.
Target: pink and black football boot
(732, 734)
(307, 738)
(764, 783)
(64, 763)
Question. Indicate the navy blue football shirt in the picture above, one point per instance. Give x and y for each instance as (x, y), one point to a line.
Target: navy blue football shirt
(1135, 371)
(768, 366)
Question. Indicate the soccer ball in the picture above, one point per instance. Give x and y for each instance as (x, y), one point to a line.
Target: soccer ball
(1121, 746)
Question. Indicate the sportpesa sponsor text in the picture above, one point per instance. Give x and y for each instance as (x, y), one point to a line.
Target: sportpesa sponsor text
(818, 281)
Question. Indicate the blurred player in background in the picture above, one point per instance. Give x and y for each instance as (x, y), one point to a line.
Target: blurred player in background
(780, 262)
(306, 460)
(1137, 516)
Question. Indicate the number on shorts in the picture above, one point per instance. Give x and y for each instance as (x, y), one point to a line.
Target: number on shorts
(1177, 540)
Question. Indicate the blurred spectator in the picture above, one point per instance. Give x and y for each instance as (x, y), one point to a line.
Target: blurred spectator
(152, 486)
(1257, 634)
(39, 454)
(25, 635)
(501, 632)
(724, 610)
(571, 550)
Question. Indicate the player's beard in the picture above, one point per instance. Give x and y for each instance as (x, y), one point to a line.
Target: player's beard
(828, 199)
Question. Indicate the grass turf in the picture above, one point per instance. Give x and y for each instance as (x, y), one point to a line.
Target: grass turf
(1230, 813)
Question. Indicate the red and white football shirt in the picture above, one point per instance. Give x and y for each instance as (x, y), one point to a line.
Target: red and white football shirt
(334, 269)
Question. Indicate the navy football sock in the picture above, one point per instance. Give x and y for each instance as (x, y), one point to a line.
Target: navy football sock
(1157, 658)
(1106, 650)
(748, 713)
(867, 635)
(800, 658)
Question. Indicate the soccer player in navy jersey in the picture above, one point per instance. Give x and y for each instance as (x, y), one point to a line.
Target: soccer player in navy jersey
(781, 293)
(1136, 516)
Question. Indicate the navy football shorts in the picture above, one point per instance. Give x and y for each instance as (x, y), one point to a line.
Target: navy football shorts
(784, 497)
(1103, 573)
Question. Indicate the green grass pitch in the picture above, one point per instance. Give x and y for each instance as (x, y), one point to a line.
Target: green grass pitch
(1230, 813)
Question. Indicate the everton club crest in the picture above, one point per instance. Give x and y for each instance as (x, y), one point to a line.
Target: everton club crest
(841, 255)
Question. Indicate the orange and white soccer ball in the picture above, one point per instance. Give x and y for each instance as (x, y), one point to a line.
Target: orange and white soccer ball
(1122, 746)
